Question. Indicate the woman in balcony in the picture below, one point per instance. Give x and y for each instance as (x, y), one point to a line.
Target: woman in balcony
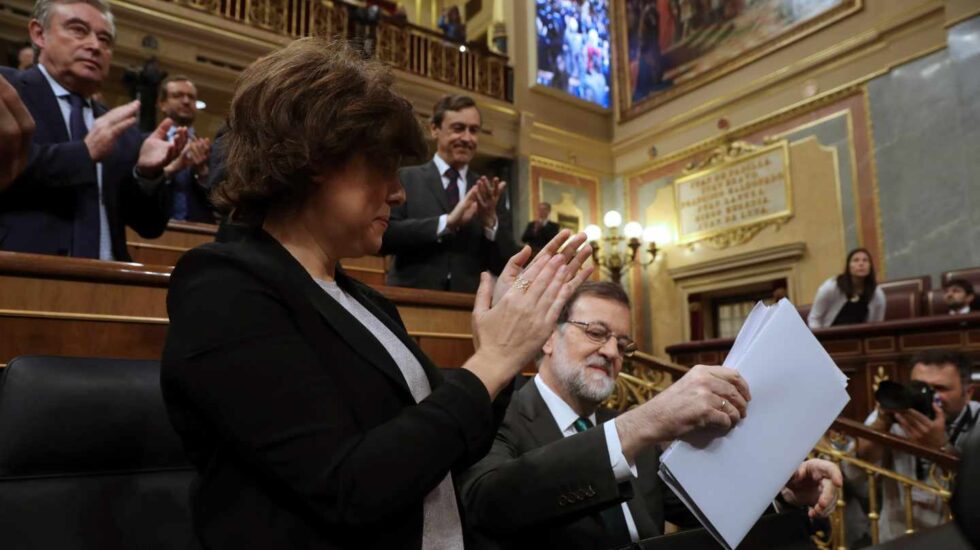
(853, 297)
(452, 26)
(313, 417)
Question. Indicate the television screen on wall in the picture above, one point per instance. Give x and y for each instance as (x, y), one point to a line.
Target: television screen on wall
(573, 47)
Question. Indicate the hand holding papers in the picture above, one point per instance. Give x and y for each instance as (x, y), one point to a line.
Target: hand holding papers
(728, 479)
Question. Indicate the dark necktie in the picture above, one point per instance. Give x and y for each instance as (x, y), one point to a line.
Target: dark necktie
(452, 190)
(86, 227)
(617, 533)
(582, 424)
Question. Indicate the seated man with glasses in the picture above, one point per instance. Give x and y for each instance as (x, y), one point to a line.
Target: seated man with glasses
(551, 482)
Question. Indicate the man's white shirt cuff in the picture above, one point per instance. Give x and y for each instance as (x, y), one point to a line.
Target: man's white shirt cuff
(491, 232)
(622, 470)
(441, 229)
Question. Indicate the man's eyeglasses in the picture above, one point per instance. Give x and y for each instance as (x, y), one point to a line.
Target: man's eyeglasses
(600, 334)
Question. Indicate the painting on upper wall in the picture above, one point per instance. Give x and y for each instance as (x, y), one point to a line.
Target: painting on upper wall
(573, 43)
(670, 47)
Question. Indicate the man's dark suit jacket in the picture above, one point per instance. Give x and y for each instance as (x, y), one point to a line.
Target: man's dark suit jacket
(37, 212)
(302, 427)
(543, 236)
(198, 191)
(538, 489)
(199, 208)
(423, 260)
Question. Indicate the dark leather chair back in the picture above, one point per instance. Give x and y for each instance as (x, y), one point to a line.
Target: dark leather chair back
(88, 459)
(971, 274)
(903, 297)
(935, 303)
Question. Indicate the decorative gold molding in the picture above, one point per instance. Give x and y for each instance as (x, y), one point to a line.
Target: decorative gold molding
(821, 100)
(83, 316)
(758, 87)
(879, 377)
(720, 159)
(959, 19)
(554, 93)
(881, 267)
(572, 169)
(568, 134)
(791, 251)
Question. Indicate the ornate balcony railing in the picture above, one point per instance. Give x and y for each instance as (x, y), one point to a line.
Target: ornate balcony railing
(426, 53)
(644, 376)
(407, 47)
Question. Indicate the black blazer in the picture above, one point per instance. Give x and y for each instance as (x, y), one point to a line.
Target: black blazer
(422, 260)
(539, 489)
(302, 427)
(544, 235)
(37, 212)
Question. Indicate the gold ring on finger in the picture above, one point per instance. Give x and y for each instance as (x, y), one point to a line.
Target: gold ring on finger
(522, 284)
(724, 403)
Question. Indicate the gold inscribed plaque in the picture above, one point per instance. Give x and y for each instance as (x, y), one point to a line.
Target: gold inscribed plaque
(734, 194)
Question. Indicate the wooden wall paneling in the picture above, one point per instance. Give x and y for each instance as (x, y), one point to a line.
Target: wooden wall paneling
(868, 353)
(47, 334)
(73, 306)
(180, 237)
(447, 351)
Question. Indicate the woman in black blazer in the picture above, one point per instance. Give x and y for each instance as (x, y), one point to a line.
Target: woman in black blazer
(314, 420)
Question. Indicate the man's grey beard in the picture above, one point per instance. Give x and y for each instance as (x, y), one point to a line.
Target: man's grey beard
(578, 381)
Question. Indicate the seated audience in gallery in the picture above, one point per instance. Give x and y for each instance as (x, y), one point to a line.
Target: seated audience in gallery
(565, 472)
(851, 298)
(452, 26)
(313, 417)
(959, 297)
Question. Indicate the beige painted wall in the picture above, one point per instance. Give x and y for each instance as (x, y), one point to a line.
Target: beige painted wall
(805, 250)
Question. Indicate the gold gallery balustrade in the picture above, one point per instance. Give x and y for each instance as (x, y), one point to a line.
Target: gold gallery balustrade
(644, 376)
(405, 46)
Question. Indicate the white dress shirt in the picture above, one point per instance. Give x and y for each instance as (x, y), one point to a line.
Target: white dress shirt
(489, 232)
(962, 311)
(88, 115)
(565, 417)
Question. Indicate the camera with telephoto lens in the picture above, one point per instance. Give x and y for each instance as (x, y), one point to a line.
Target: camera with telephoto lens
(899, 397)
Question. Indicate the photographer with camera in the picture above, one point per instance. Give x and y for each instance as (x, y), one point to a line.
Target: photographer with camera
(934, 410)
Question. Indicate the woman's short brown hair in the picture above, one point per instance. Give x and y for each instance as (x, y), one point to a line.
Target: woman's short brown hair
(302, 111)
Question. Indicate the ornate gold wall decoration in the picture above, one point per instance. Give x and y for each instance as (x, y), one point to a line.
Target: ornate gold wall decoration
(728, 197)
(879, 377)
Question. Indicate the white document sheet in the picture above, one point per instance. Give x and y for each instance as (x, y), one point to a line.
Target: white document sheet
(728, 480)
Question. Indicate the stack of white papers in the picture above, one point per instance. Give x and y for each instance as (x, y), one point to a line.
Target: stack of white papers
(728, 480)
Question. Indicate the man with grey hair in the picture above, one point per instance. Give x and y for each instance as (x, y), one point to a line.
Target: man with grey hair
(89, 172)
(550, 481)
